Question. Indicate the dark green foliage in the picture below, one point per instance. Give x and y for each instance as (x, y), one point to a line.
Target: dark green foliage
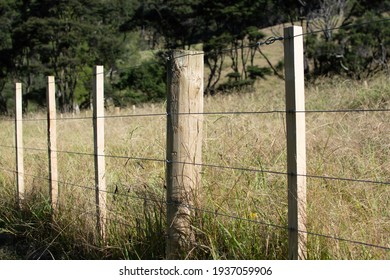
(234, 76)
(235, 81)
(238, 23)
(358, 50)
(66, 38)
(258, 72)
(235, 85)
(6, 15)
(59, 38)
(219, 25)
(144, 83)
(366, 47)
(326, 56)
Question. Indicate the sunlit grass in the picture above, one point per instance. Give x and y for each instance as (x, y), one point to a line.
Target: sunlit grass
(243, 213)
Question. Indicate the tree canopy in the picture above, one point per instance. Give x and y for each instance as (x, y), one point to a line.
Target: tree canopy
(66, 38)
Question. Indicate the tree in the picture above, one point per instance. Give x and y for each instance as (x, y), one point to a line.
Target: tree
(62, 38)
(238, 23)
(176, 21)
(365, 47)
(345, 42)
(214, 59)
(329, 15)
(7, 14)
(144, 83)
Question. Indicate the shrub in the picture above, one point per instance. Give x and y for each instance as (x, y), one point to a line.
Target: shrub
(144, 83)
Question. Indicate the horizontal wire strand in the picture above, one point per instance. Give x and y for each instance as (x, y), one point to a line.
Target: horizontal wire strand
(224, 215)
(245, 169)
(383, 110)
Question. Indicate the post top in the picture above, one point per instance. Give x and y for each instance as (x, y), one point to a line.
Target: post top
(293, 30)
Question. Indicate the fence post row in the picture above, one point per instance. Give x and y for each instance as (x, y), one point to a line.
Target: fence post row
(296, 142)
(184, 146)
(52, 142)
(100, 168)
(19, 144)
(184, 149)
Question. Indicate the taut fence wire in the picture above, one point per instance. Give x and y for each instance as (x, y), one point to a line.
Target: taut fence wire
(213, 212)
(236, 168)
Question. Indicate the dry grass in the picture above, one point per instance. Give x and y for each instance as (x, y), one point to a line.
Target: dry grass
(346, 145)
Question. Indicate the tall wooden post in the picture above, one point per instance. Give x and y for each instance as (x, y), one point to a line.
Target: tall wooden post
(296, 141)
(52, 142)
(100, 167)
(19, 144)
(184, 149)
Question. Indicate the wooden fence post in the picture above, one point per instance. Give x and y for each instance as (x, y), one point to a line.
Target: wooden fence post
(184, 149)
(100, 168)
(296, 141)
(19, 144)
(52, 142)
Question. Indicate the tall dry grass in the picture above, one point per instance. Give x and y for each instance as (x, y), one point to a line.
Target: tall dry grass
(241, 210)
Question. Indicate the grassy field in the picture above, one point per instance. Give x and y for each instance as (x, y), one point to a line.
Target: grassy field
(236, 203)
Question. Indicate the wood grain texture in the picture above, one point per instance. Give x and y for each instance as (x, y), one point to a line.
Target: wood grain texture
(184, 149)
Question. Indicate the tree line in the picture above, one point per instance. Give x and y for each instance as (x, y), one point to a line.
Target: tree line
(66, 38)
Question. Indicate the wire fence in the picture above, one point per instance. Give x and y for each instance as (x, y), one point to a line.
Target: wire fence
(208, 211)
(267, 42)
(265, 112)
(92, 188)
(207, 165)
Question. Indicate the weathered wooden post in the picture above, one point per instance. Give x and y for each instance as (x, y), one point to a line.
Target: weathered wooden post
(100, 167)
(52, 142)
(296, 141)
(19, 144)
(184, 149)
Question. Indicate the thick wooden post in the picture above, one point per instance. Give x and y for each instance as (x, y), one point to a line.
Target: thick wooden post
(296, 142)
(19, 144)
(100, 168)
(52, 142)
(184, 149)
